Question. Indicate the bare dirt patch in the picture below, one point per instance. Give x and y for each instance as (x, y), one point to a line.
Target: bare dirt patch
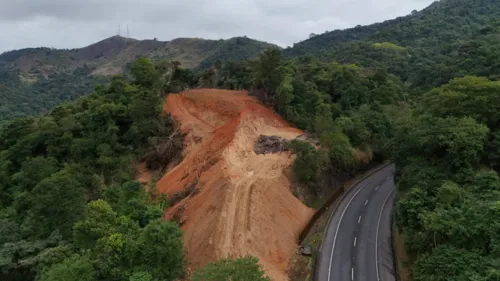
(243, 203)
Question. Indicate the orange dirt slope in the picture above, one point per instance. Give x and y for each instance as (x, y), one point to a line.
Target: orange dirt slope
(243, 204)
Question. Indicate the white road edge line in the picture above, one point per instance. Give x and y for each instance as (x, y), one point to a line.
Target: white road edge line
(337, 231)
(355, 238)
(366, 202)
(376, 236)
(359, 219)
(352, 273)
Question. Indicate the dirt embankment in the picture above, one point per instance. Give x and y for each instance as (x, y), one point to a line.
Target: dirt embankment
(242, 203)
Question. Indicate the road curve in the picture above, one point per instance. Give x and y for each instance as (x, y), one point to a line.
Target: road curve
(357, 242)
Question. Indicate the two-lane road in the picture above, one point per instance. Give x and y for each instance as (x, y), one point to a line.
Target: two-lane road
(357, 244)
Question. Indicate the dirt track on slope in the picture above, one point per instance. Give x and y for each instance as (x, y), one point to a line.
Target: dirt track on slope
(242, 204)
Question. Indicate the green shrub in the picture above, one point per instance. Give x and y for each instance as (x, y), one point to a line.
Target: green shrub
(243, 269)
(309, 165)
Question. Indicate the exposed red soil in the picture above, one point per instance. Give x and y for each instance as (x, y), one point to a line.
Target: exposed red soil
(243, 204)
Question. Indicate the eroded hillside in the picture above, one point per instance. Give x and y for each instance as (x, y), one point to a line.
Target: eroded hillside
(238, 203)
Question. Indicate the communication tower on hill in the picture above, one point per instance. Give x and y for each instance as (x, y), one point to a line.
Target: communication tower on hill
(120, 31)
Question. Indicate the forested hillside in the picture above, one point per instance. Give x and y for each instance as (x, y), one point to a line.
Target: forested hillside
(446, 153)
(450, 38)
(35, 80)
(20, 96)
(397, 91)
(112, 54)
(442, 21)
(69, 206)
(440, 128)
(421, 90)
(444, 141)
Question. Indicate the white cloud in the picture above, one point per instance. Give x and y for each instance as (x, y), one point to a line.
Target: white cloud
(77, 23)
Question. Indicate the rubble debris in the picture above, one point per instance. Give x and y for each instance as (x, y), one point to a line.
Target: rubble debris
(271, 144)
(305, 250)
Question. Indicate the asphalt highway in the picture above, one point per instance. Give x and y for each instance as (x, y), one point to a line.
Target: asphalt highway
(357, 243)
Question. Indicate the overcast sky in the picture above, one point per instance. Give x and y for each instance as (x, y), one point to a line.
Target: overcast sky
(77, 23)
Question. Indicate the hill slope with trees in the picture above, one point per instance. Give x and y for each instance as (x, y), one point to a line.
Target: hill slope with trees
(438, 121)
(450, 38)
(70, 208)
(445, 144)
(35, 80)
(446, 153)
(422, 90)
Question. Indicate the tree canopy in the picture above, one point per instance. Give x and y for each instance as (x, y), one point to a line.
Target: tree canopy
(70, 207)
(445, 155)
(422, 90)
(425, 49)
(243, 269)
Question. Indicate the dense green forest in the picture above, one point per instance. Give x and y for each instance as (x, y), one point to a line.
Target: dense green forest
(422, 90)
(445, 144)
(38, 94)
(446, 153)
(233, 50)
(450, 38)
(444, 137)
(69, 206)
(443, 21)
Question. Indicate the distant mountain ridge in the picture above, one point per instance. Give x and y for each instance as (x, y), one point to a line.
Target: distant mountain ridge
(444, 20)
(110, 55)
(449, 38)
(34, 80)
